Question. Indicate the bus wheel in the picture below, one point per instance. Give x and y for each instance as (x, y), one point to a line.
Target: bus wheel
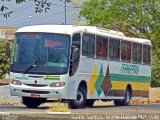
(118, 102)
(89, 102)
(127, 97)
(31, 102)
(80, 100)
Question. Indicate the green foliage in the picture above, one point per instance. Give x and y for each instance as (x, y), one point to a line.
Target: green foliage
(155, 71)
(138, 16)
(4, 60)
(20, 1)
(40, 6)
(135, 18)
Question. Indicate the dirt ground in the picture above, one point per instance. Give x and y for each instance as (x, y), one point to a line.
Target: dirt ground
(154, 97)
(5, 80)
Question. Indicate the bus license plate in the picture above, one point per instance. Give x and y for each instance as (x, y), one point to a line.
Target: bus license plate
(35, 95)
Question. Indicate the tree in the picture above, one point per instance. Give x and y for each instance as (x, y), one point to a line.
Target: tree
(75, 14)
(40, 6)
(4, 60)
(135, 18)
(155, 71)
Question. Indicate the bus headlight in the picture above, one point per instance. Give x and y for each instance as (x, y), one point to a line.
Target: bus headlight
(58, 84)
(16, 82)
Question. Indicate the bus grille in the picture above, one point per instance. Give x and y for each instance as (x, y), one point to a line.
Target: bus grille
(36, 85)
(37, 92)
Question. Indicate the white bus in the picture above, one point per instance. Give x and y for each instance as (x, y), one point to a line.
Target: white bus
(78, 64)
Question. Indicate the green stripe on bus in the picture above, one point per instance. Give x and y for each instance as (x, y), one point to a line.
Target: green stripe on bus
(130, 78)
(52, 77)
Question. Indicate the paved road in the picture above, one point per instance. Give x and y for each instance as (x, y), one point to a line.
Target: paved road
(100, 109)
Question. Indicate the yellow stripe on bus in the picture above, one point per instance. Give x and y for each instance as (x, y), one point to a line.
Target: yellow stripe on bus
(134, 85)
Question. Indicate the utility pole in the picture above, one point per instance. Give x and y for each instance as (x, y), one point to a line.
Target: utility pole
(65, 7)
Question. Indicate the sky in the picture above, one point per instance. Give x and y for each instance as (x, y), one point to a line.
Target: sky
(24, 14)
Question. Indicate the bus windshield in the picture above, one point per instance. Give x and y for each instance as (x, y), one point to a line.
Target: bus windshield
(41, 53)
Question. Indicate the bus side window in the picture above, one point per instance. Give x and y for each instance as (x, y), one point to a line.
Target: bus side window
(101, 46)
(114, 49)
(126, 51)
(137, 53)
(75, 44)
(88, 45)
(146, 54)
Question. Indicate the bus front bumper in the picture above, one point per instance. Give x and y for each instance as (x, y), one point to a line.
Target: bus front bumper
(38, 92)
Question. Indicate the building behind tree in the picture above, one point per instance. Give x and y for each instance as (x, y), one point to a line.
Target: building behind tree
(7, 32)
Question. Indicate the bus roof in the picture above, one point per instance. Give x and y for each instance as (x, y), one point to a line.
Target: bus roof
(70, 29)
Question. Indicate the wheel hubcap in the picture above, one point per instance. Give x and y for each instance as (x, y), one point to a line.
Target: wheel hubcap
(79, 98)
(127, 96)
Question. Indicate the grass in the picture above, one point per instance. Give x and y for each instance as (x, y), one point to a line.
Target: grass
(18, 104)
(59, 107)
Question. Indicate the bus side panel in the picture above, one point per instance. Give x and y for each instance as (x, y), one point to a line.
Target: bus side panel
(110, 78)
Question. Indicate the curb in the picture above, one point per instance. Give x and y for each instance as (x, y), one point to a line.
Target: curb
(60, 113)
(5, 97)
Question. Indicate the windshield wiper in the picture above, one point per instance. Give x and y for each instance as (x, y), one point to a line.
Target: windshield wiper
(31, 65)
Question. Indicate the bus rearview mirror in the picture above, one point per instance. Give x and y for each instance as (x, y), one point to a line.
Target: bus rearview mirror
(75, 54)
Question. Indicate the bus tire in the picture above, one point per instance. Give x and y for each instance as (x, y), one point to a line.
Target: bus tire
(127, 97)
(80, 100)
(118, 102)
(31, 102)
(89, 102)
